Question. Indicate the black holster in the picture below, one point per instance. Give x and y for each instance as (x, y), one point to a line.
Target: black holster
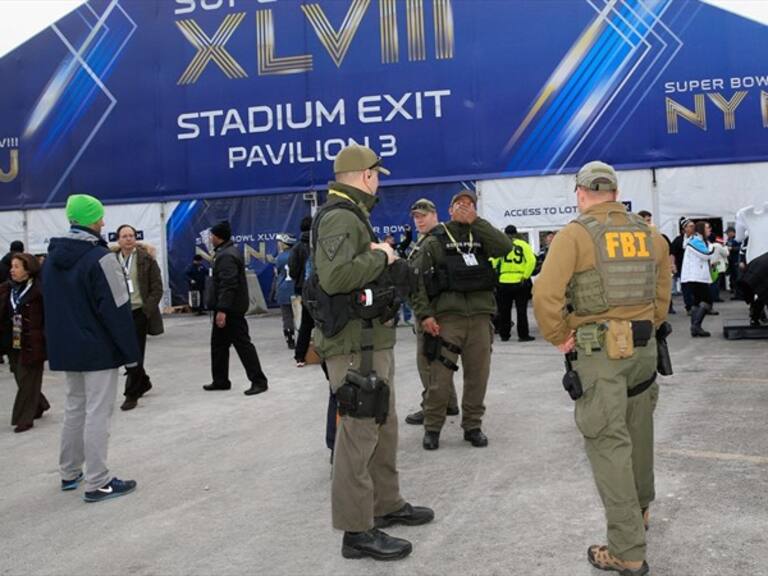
(663, 360)
(571, 380)
(363, 396)
(432, 351)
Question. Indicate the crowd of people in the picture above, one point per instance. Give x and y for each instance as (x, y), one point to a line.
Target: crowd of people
(602, 293)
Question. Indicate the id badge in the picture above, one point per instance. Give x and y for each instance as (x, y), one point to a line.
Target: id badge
(470, 259)
(17, 332)
(130, 286)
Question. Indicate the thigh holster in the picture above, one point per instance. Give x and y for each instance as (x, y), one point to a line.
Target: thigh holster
(363, 396)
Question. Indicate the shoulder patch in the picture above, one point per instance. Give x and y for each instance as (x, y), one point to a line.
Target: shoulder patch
(331, 244)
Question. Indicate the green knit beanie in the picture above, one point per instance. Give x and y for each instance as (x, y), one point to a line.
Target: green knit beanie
(84, 210)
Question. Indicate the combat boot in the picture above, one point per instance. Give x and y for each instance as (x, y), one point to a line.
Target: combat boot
(374, 544)
(601, 558)
(431, 440)
(697, 317)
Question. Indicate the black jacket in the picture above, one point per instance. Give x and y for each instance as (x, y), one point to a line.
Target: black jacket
(297, 262)
(229, 288)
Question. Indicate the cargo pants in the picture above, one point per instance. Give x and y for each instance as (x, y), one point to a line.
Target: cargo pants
(618, 435)
(365, 478)
(474, 335)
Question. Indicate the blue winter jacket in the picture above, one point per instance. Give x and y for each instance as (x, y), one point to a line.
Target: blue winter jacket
(285, 285)
(88, 321)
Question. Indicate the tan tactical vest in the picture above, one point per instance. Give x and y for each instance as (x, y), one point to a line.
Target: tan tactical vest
(625, 273)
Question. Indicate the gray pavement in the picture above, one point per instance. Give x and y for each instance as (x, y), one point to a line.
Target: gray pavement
(230, 484)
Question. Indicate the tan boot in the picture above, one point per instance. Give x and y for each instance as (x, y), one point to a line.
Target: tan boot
(601, 558)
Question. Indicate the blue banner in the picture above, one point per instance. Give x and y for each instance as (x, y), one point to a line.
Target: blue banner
(145, 100)
(255, 223)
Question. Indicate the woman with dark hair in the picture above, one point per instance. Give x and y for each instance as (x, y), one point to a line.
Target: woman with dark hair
(696, 277)
(22, 337)
(145, 287)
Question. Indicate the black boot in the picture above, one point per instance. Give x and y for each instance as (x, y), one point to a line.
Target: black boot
(431, 440)
(697, 317)
(374, 544)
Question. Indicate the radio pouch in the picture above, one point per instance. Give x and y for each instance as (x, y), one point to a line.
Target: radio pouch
(618, 340)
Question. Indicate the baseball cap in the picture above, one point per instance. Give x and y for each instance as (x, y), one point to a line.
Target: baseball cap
(464, 192)
(84, 210)
(423, 206)
(597, 176)
(356, 158)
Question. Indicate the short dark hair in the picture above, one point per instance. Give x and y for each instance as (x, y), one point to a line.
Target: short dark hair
(701, 227)
(644, 214)
(510, 230)
(17, 246)
(119, 229)
(29, 262)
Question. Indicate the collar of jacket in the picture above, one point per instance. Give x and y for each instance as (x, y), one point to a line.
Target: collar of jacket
(223, 245)
(76, 231)
(605, 207)
(362, 199)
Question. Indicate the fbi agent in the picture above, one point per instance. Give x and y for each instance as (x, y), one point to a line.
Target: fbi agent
(353, 298)
(454, 303)
(603, 289)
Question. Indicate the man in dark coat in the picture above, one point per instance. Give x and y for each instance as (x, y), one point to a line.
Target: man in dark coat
(754, 287)
(229, 300)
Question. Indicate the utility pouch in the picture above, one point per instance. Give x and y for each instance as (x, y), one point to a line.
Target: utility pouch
(431, 347)
(641, 332)
(618, 340)
(589, 338)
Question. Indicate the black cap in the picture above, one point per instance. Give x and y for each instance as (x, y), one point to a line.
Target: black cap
(510, 230)
(222, 230)
(17, 246)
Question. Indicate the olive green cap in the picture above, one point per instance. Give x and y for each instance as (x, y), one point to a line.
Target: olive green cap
(597, 176)
(423, 206)
(464, 192)
(356, 158)
(84, 210)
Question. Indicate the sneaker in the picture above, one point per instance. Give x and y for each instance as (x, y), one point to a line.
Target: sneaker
(113, 489)
(300, 364)
(601, 558)
(72, 484)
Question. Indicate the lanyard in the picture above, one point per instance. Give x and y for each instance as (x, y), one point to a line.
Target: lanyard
(471, 243)
(126, 263)
(15, 300)
(341, 194)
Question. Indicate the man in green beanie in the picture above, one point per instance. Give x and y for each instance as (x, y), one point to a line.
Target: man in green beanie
(90, 334)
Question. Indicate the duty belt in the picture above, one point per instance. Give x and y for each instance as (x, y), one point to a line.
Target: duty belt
(589, 337)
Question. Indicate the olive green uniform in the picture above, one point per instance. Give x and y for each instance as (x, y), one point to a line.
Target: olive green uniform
(422, 364)
(572, 294)
(365, 478)
(464, 319)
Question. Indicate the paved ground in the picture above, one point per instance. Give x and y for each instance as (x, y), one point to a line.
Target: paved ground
(236, 485)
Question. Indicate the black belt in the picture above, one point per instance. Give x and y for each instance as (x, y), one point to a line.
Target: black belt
(642, 387)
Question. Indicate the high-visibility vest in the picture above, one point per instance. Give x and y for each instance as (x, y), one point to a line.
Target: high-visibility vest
(516, 266)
